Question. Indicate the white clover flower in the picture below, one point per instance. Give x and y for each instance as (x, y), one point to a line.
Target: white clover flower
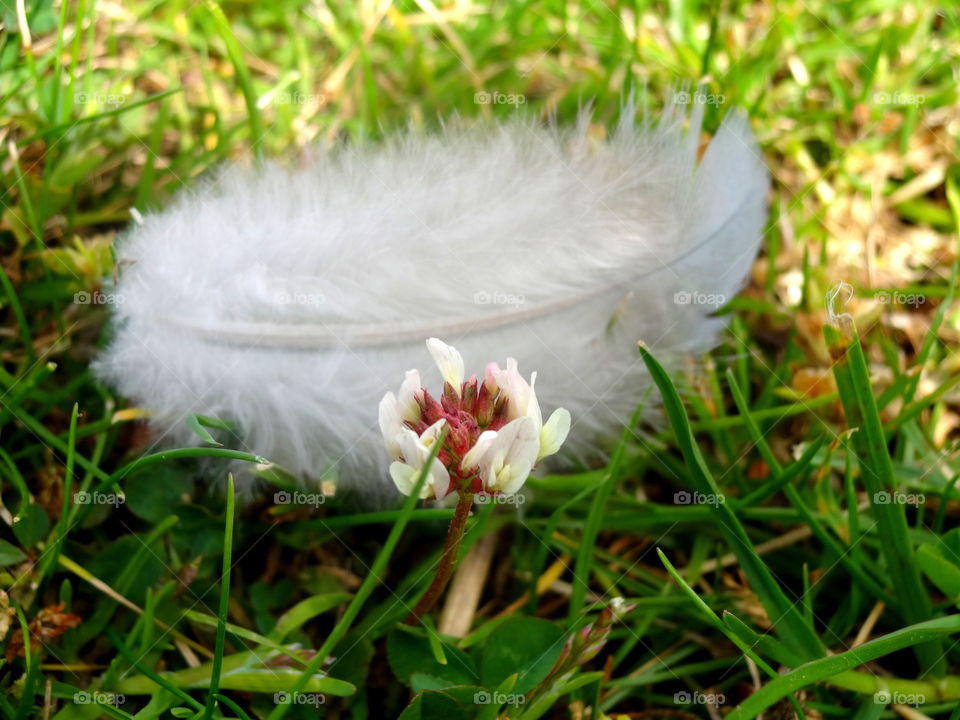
(495, 432)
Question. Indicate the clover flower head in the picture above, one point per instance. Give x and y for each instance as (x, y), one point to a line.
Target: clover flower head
(492, 430)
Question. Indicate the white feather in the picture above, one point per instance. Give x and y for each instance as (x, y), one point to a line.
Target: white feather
(289, 301)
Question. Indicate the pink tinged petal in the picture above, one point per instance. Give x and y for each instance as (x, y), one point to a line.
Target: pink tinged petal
(449, 361)
(554, 432)
(490, 375)
(410, 393)
(391, 423)
(516, 388)
(508, 460)
(475, 454)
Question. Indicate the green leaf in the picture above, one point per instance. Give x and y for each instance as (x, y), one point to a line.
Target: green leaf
(527, 646)
(353, 657)
(10, 554)
(432, 705)
(410, 653)
(32, 525)
(155, 493)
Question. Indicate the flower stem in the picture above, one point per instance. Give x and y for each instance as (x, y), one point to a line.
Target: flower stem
(448, 559)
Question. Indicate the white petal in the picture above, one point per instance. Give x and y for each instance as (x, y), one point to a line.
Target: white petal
(410, 390)
(508, 460)
(431, 434)
(448, 360)
(411, 449)
(532, 410)
(404, 477)
(415, 450)
(390, 423)
(554, 432)
(475, 454)
(439, 479)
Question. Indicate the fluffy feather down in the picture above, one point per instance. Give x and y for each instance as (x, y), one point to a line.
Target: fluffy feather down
(289, 301)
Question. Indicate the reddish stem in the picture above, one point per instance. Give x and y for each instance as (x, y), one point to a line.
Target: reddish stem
(448, 559)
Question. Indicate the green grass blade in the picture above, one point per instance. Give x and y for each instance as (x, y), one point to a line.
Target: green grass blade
(224, 601)
(235, 53)
(825, 668)
(823, 535)
(788, 621)
(581, 569)
(877, 474)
